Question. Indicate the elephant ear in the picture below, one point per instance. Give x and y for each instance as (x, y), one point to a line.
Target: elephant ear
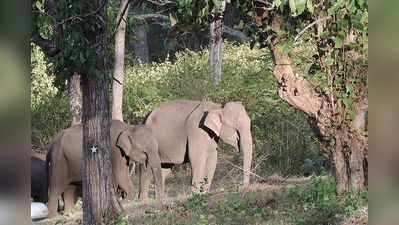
(124, 143)
(214, 121)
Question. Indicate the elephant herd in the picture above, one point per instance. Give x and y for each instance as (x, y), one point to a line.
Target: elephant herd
(175, 132)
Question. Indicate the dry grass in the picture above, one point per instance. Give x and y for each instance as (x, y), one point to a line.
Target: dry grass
(178, 189)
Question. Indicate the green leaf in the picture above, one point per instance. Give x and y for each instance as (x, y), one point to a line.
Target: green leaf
(39, 6)
(173, 20)
(338, 42)
(347, 102)
(300, 6)
(277, 3)
(334, 8)
(329, 61)
(349, 88)
(360, 3)
(292, 6)
(309, 5)
(351, 6)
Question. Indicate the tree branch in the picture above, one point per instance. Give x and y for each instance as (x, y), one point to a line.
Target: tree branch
(49, 48)
(309, 26)
(235, 35)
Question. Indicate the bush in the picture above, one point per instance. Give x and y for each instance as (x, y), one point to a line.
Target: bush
(49, 106)
(318, 203)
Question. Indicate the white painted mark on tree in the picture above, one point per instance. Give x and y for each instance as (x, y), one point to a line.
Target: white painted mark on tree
(93, 149)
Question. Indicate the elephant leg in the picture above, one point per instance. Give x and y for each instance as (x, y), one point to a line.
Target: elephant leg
(53, 203)
(198, 171)
(145, 179)
(159, 188)
(70, 198)
(58, 185)
(165, 174)
(210, 168)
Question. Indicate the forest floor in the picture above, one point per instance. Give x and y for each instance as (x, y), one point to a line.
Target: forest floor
(264, 202)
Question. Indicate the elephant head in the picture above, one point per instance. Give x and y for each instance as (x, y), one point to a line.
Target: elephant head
(135, 144)
(232, 124)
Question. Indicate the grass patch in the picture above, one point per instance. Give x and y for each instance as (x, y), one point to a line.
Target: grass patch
(312, 203)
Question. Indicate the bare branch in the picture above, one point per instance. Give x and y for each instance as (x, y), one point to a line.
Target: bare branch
(309, 26)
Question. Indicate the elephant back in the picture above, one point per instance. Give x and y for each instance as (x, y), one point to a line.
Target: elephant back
(167, 123)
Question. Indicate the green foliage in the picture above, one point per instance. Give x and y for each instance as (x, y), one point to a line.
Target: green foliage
(121, 220)
(314, 202)
(337, 54)
(42, 87)
(49, 107)
(318, 203)
(50, 117)
(77, 28)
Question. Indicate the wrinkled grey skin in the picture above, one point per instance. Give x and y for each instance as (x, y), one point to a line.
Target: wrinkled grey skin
(65, 160)
(188, 131)
(39, 185)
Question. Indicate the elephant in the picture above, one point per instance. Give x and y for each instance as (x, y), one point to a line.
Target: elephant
(65, 158)
(189, 131)
(39, 184)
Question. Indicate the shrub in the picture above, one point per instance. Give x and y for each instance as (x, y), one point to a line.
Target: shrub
(318, 203)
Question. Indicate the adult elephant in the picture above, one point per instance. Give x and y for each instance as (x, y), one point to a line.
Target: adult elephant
(65, 160)
(189, 131)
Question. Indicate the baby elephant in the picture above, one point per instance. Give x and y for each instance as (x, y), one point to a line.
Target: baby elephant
(141, 146)
(39, 180)
(128, 143)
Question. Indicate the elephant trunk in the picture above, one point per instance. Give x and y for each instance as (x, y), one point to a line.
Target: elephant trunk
(246, 149)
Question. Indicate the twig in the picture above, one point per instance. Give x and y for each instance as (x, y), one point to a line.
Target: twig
(309, 26)
(120, 19)
(161, 3)
(80, 17)
(237, 167)
(261, 160)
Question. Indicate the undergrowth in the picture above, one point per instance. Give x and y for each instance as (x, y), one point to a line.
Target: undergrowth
(315, 203)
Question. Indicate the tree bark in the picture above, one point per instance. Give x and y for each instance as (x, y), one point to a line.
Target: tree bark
(216, 46)
(99, 192)
(75, 99)
(117, 86)
(345, 143)
(100, 205)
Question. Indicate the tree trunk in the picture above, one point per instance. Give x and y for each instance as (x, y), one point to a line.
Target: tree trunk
(99, 192)
(100, 205)
(140, 44)
(75, 99)
(216, 46)
(345, 143)
(117, 85)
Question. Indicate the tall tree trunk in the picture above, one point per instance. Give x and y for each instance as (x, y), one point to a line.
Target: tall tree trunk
(117, 86)
(216, 45)
(100, 205)
(345, 143)
(140, 44)
(75, 99)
